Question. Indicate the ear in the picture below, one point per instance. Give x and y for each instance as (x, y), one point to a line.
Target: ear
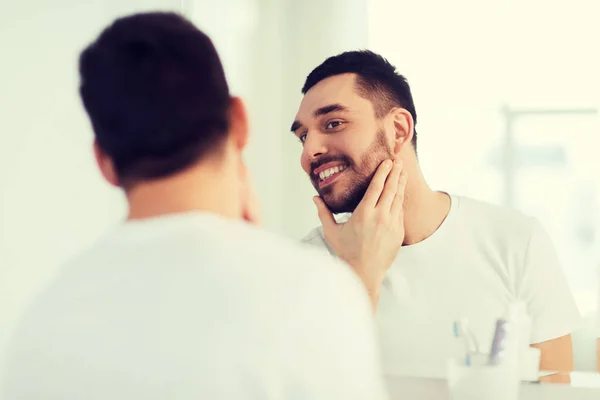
(403, 128)
(238, 123)
(106, 165)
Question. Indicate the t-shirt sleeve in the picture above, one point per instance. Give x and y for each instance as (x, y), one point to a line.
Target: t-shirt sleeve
(334, 353)
(546, 291)
(316, 239)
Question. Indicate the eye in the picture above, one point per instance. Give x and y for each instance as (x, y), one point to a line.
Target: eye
(333, 125)
(302, 138)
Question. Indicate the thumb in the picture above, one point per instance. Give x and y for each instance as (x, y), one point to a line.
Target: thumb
(325, 215)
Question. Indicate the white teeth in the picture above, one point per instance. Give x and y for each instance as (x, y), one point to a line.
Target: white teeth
(331, 171)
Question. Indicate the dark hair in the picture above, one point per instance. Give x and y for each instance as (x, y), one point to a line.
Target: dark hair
(377, 81)
(155, 91)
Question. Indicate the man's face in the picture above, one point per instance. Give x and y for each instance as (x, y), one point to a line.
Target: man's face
(343, 141)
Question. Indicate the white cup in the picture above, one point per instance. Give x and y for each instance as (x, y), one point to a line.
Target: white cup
(482, 382)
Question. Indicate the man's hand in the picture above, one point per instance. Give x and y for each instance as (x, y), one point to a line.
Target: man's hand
(369, 241)
(556, 355)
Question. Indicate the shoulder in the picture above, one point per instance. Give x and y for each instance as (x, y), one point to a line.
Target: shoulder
(234, 248)
(491, 212)
(500, 222)
(316, 236)
(315, 283)
(304, 258)
(249, 265)
(315, 239)
(521, 241)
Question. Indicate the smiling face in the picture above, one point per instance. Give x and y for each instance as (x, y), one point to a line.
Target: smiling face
(343, 141)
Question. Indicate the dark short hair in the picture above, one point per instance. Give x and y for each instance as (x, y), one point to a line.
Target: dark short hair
(377, 81)
(155, 91)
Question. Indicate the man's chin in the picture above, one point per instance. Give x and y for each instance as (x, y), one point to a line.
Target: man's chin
(338, 207)
(341, 197)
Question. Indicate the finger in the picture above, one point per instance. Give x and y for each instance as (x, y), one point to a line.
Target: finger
(325, 215)
(375, 188)
(398, 204)
(391, 187)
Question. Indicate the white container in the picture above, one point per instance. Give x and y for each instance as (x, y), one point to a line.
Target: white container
(517, 315)
(528, 357)
(482, 382)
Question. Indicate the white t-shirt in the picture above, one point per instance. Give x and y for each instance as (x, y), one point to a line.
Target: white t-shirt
(480, 259)
(194, 306)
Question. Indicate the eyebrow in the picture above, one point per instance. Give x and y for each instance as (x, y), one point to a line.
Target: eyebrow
(318, 112)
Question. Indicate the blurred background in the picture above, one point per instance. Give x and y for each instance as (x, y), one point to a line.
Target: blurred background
(507, 95)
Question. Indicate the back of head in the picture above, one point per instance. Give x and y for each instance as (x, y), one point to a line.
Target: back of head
(155, 91)
(377, 81)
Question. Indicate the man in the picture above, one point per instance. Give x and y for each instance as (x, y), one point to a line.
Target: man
(185, 300)
(460, 258)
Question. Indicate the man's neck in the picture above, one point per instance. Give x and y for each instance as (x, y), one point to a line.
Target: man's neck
(200, 188)
(424, 209)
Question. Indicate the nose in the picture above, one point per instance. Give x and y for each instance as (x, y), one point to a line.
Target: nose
(314, 146)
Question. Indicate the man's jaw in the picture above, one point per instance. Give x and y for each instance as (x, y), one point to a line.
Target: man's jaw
(344, 196)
